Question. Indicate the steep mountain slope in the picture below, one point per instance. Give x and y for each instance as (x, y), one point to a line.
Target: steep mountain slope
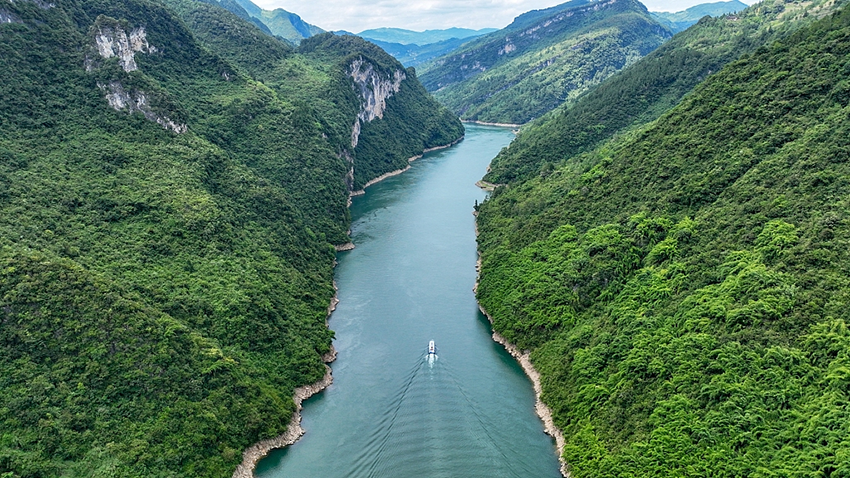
(279, 22)
(680, 21)
(240, 9)
(684, 288)
(376, 124)
(653, 85)
(166, 229)
(542, 59)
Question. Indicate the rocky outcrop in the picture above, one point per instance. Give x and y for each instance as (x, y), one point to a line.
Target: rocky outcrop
(40, 3)
(374, 90)
(121, 99)
(8, 17)
(111, 40)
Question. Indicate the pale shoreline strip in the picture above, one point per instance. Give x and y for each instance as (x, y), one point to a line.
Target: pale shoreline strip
(487, 186)
(484, 123)
(411, 159)
(293, 433)
(524, 359)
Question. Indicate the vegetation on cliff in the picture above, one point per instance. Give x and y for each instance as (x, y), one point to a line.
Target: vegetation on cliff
(168, 207)
(652, 86)
(684, 287)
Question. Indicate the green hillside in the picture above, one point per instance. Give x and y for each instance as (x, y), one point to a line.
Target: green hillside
(168, 209)
(684, 287)
(679, 21)
(656, 83)
(541, 60)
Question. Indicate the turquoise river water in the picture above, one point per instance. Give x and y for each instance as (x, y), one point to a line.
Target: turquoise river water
(390, 412)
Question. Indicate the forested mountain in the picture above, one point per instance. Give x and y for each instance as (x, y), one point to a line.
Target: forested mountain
(543, 59)
(278, 22)
(679, 21)
(683, 287)
(169, 201)
(652, 86)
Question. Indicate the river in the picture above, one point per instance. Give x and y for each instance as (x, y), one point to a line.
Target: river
(390, 412)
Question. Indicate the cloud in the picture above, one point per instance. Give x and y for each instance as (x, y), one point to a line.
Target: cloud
(359, 15)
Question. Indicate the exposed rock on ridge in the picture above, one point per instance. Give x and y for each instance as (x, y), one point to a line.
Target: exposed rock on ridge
(8, 17)
(120, 99)
(40, 3)
(112, 40)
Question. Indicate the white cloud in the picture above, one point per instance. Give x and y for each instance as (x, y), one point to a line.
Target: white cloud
(359, 15)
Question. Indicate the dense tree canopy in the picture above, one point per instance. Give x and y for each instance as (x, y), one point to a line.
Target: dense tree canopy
(684, 287)
(167, 221)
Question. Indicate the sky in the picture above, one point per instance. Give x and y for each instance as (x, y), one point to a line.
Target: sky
(358, 15)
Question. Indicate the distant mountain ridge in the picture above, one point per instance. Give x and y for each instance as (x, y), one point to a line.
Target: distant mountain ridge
(278, 22)
(543, 59)
(679, 21)
(413, 55)
(410, 37)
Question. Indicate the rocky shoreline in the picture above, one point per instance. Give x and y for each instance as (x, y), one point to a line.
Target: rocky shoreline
(484, 123)
(524, 359)
(344, 247)
(294, 431)
(259, 450)
(390, 174)
(543, 411)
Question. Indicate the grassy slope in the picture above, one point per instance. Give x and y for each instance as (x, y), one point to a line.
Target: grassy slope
(161, 295)
(656, 83)
(543, 59)
(684, 288)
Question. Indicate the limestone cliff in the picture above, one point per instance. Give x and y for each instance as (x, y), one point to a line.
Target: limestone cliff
(137, 101)
(111, 40)
(373, 90)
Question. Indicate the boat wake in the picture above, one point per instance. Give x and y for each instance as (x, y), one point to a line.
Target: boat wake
(429, 412)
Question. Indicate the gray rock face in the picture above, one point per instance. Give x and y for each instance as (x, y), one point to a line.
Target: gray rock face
(114, 41)
(111, 40)
(40, 3)
(121, 99)
(8, 17)
(374, 90)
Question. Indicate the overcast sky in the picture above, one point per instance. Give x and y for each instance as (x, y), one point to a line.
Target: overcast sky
(358, 15)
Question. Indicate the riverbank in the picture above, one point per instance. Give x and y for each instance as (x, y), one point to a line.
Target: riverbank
(524, 359)
(390, 174)
(486, 186)
(294, 431)
(484, 123)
